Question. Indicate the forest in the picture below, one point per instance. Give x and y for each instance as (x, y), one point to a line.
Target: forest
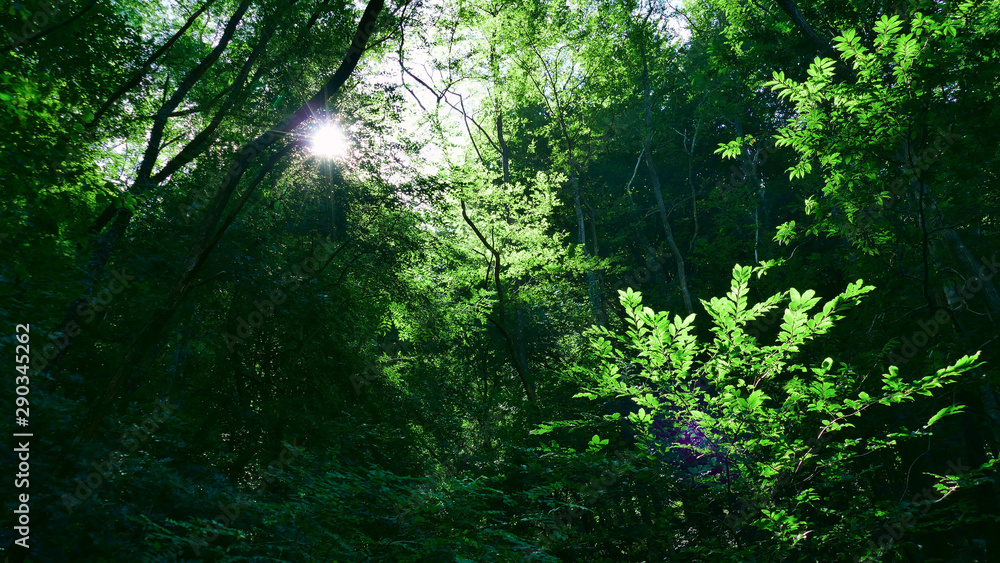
(500, 280)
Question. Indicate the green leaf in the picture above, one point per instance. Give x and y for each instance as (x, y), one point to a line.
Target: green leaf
(953, 409)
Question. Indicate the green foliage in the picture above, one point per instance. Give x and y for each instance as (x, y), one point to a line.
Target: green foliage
(347, 322)
(777, 429)
(857, 130)
(351, 513)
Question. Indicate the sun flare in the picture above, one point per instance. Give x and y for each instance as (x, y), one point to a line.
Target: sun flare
(328, 141)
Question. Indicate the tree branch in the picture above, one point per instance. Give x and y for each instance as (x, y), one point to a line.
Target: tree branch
(204, 242)
(522, 370)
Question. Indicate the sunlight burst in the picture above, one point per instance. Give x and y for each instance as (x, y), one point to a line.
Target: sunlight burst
(329, 141)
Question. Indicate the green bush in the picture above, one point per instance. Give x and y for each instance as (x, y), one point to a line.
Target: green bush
(776, 472)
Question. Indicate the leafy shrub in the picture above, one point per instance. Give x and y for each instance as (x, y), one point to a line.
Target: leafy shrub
(749, 448)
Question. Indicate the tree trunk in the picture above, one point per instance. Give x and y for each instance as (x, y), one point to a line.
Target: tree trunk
(654, 179)
(970, 268)
(819, 42)
(205, 241)
(121, 218)
(499, 319)
(134, 81)
(593, 288)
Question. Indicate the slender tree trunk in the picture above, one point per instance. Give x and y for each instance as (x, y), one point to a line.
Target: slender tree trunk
(121, 217)
(134, 81)
(970, 268)
(205, 241)
(522, 329)
(499, 319)
(581, 225)
(689, 152)
(593, 287)
(597, 280)
(652, 257)
(559, 111)
(504, 153)
(654, 179)
(519, 343)
(822, 44)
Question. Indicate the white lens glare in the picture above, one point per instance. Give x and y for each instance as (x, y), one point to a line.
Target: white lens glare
(329, 141)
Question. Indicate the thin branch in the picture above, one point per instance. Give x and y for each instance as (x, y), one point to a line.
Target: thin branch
(146, 66)
(511, 347)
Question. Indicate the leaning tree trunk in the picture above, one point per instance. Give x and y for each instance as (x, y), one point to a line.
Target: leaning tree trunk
(120, 217)
(499, 320)
(210, 231)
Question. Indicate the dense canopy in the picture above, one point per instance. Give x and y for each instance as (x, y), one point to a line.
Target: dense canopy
(482, 280)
